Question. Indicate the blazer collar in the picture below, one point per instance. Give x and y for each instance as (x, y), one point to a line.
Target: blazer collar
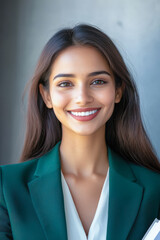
(125, 196)
(49, 162)
(47, 196)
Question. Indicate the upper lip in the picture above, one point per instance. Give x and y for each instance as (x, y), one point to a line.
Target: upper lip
(83, 109)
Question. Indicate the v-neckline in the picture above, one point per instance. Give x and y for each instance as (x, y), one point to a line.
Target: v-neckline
(97, 212)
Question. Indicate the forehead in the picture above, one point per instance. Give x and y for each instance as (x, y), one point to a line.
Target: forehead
(79, 59)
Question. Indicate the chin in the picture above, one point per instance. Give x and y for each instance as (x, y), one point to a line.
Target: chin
(86, 132)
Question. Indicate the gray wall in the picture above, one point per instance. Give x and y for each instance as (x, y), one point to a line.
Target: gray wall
(27, 25)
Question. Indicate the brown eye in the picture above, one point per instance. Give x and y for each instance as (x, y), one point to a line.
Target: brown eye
(64, 84)
(98, 82)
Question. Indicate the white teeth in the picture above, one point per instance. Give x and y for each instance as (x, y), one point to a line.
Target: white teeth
(84, 113)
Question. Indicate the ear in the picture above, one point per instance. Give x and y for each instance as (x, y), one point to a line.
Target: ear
(45, 96)
(119, 92)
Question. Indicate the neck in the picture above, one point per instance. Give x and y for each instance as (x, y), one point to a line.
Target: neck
(84, 155)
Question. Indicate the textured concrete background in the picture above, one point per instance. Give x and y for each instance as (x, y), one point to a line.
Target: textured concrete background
(25, 26)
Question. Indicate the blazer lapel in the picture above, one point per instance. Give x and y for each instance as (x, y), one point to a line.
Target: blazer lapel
(125, 197)
(47, 196)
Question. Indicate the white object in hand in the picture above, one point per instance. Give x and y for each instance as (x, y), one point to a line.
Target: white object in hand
(152, 231)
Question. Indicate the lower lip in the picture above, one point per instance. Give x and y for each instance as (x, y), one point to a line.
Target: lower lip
(85, 118)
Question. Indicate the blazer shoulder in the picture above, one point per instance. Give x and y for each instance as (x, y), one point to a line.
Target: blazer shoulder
(15, 171)
(146, 177)
(27, 171)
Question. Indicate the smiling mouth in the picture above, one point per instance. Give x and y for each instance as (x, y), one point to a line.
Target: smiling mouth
(87, 113)
(84, 115)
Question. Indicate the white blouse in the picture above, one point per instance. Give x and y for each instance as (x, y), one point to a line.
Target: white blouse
(98, 228)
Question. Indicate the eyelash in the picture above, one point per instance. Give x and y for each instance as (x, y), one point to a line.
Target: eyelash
(97, 80)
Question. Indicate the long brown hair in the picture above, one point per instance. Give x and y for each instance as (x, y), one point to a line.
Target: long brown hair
(125, 133)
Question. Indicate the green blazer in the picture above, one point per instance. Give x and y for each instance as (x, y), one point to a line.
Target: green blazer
(32, 207)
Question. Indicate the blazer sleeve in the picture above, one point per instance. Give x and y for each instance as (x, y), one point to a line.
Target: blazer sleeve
(5, 227)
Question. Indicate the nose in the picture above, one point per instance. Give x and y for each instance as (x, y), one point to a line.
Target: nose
(83, 96)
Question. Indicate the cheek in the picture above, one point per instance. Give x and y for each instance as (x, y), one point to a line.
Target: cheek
(59, 100)
(107, 97)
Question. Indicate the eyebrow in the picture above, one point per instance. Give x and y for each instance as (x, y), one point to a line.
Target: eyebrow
(89, 75)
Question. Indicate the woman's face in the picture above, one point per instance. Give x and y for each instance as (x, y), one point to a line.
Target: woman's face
(82, 90)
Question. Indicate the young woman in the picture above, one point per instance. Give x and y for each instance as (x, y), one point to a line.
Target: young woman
(92, 173)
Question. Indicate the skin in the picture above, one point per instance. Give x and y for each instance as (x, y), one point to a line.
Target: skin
(83, 150)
